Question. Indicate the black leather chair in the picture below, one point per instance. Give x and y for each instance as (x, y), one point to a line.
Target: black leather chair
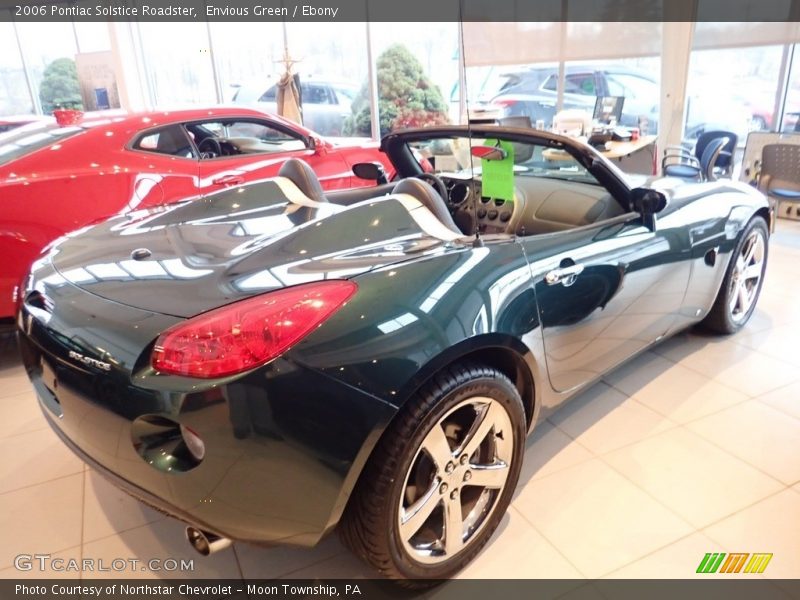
(725, 159)
(679, 162)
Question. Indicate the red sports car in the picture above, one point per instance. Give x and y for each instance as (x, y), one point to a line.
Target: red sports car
(57, 177)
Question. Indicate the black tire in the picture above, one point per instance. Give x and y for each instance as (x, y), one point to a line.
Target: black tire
(721, 319)
(370, 525)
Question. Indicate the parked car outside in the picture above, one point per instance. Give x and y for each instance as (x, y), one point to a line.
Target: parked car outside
(326, 104)
(711, 112)
(762, 108)
(533, 92)
(55, 178)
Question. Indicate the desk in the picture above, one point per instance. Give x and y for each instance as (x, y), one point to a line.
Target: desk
(632, 157)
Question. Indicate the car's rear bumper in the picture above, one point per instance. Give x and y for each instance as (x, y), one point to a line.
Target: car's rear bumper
(284, 445)
(140, 494)
(264, 481)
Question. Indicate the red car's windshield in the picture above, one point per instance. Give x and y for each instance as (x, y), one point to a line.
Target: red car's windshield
(22, 141)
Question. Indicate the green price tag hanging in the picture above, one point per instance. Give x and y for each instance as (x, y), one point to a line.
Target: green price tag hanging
(497, 176)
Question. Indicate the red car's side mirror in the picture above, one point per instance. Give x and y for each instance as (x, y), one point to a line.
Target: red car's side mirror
(318, 145)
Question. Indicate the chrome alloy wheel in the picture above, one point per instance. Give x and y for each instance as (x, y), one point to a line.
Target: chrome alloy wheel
(746, 276)
(455, 479)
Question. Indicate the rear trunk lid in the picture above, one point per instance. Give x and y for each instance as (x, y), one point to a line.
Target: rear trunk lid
(188, 258)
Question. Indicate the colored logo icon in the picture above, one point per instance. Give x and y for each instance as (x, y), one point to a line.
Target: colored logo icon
(719, 562)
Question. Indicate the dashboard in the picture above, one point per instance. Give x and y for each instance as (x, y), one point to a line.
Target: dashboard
(467, 203)
(540, 205)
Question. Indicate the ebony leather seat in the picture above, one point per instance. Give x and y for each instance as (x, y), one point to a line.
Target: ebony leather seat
(429, 198)
(303, 176)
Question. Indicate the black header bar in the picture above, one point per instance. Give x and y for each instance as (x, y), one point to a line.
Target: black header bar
(402, 10)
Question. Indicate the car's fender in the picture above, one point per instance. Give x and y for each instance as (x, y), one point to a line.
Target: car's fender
(411, 318)
(499, 350)
(713, 214)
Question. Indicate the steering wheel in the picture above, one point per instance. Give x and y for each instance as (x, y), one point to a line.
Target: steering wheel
(213, 147)
(437, 183)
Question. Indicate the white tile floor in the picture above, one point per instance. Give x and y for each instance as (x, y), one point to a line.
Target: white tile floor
(693, 447)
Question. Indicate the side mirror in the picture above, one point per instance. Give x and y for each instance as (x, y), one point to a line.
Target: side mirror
(372, 171)
(488, 152)
(648, 203)
(317, 145)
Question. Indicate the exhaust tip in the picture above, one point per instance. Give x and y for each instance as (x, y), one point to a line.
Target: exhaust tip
(204, 542)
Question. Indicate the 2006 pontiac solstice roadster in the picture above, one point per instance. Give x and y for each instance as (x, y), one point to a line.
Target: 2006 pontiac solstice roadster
(272, 361)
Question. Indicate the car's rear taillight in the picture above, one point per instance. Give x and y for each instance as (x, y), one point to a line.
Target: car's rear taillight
(249, 333)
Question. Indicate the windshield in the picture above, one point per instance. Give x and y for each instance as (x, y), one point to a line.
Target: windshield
(24, 140)
(452, 156)
(349, 94)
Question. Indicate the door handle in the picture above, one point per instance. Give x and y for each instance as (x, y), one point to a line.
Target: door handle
(228, 180)
(566, 276)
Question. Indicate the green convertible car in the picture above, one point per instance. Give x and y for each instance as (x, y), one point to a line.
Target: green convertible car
(271, 362)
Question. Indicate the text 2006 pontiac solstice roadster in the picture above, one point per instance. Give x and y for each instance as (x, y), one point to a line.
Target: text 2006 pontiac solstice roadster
(271, 361)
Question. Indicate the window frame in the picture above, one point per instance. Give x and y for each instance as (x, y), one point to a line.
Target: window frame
(245, 119)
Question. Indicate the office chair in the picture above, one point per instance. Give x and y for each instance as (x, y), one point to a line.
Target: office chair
(779, 178)
(679, 162)
(724, 162)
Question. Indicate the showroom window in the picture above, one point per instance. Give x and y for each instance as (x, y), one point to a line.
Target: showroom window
(248, 58)
(416, 66)
(92, 37)
(637, 81)
(732, 89)
(50, 50)
(335, 54)
(516, 66)
(741, 68)
(331, 64)
(15, 97)
(331, 59)
(187, 77)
